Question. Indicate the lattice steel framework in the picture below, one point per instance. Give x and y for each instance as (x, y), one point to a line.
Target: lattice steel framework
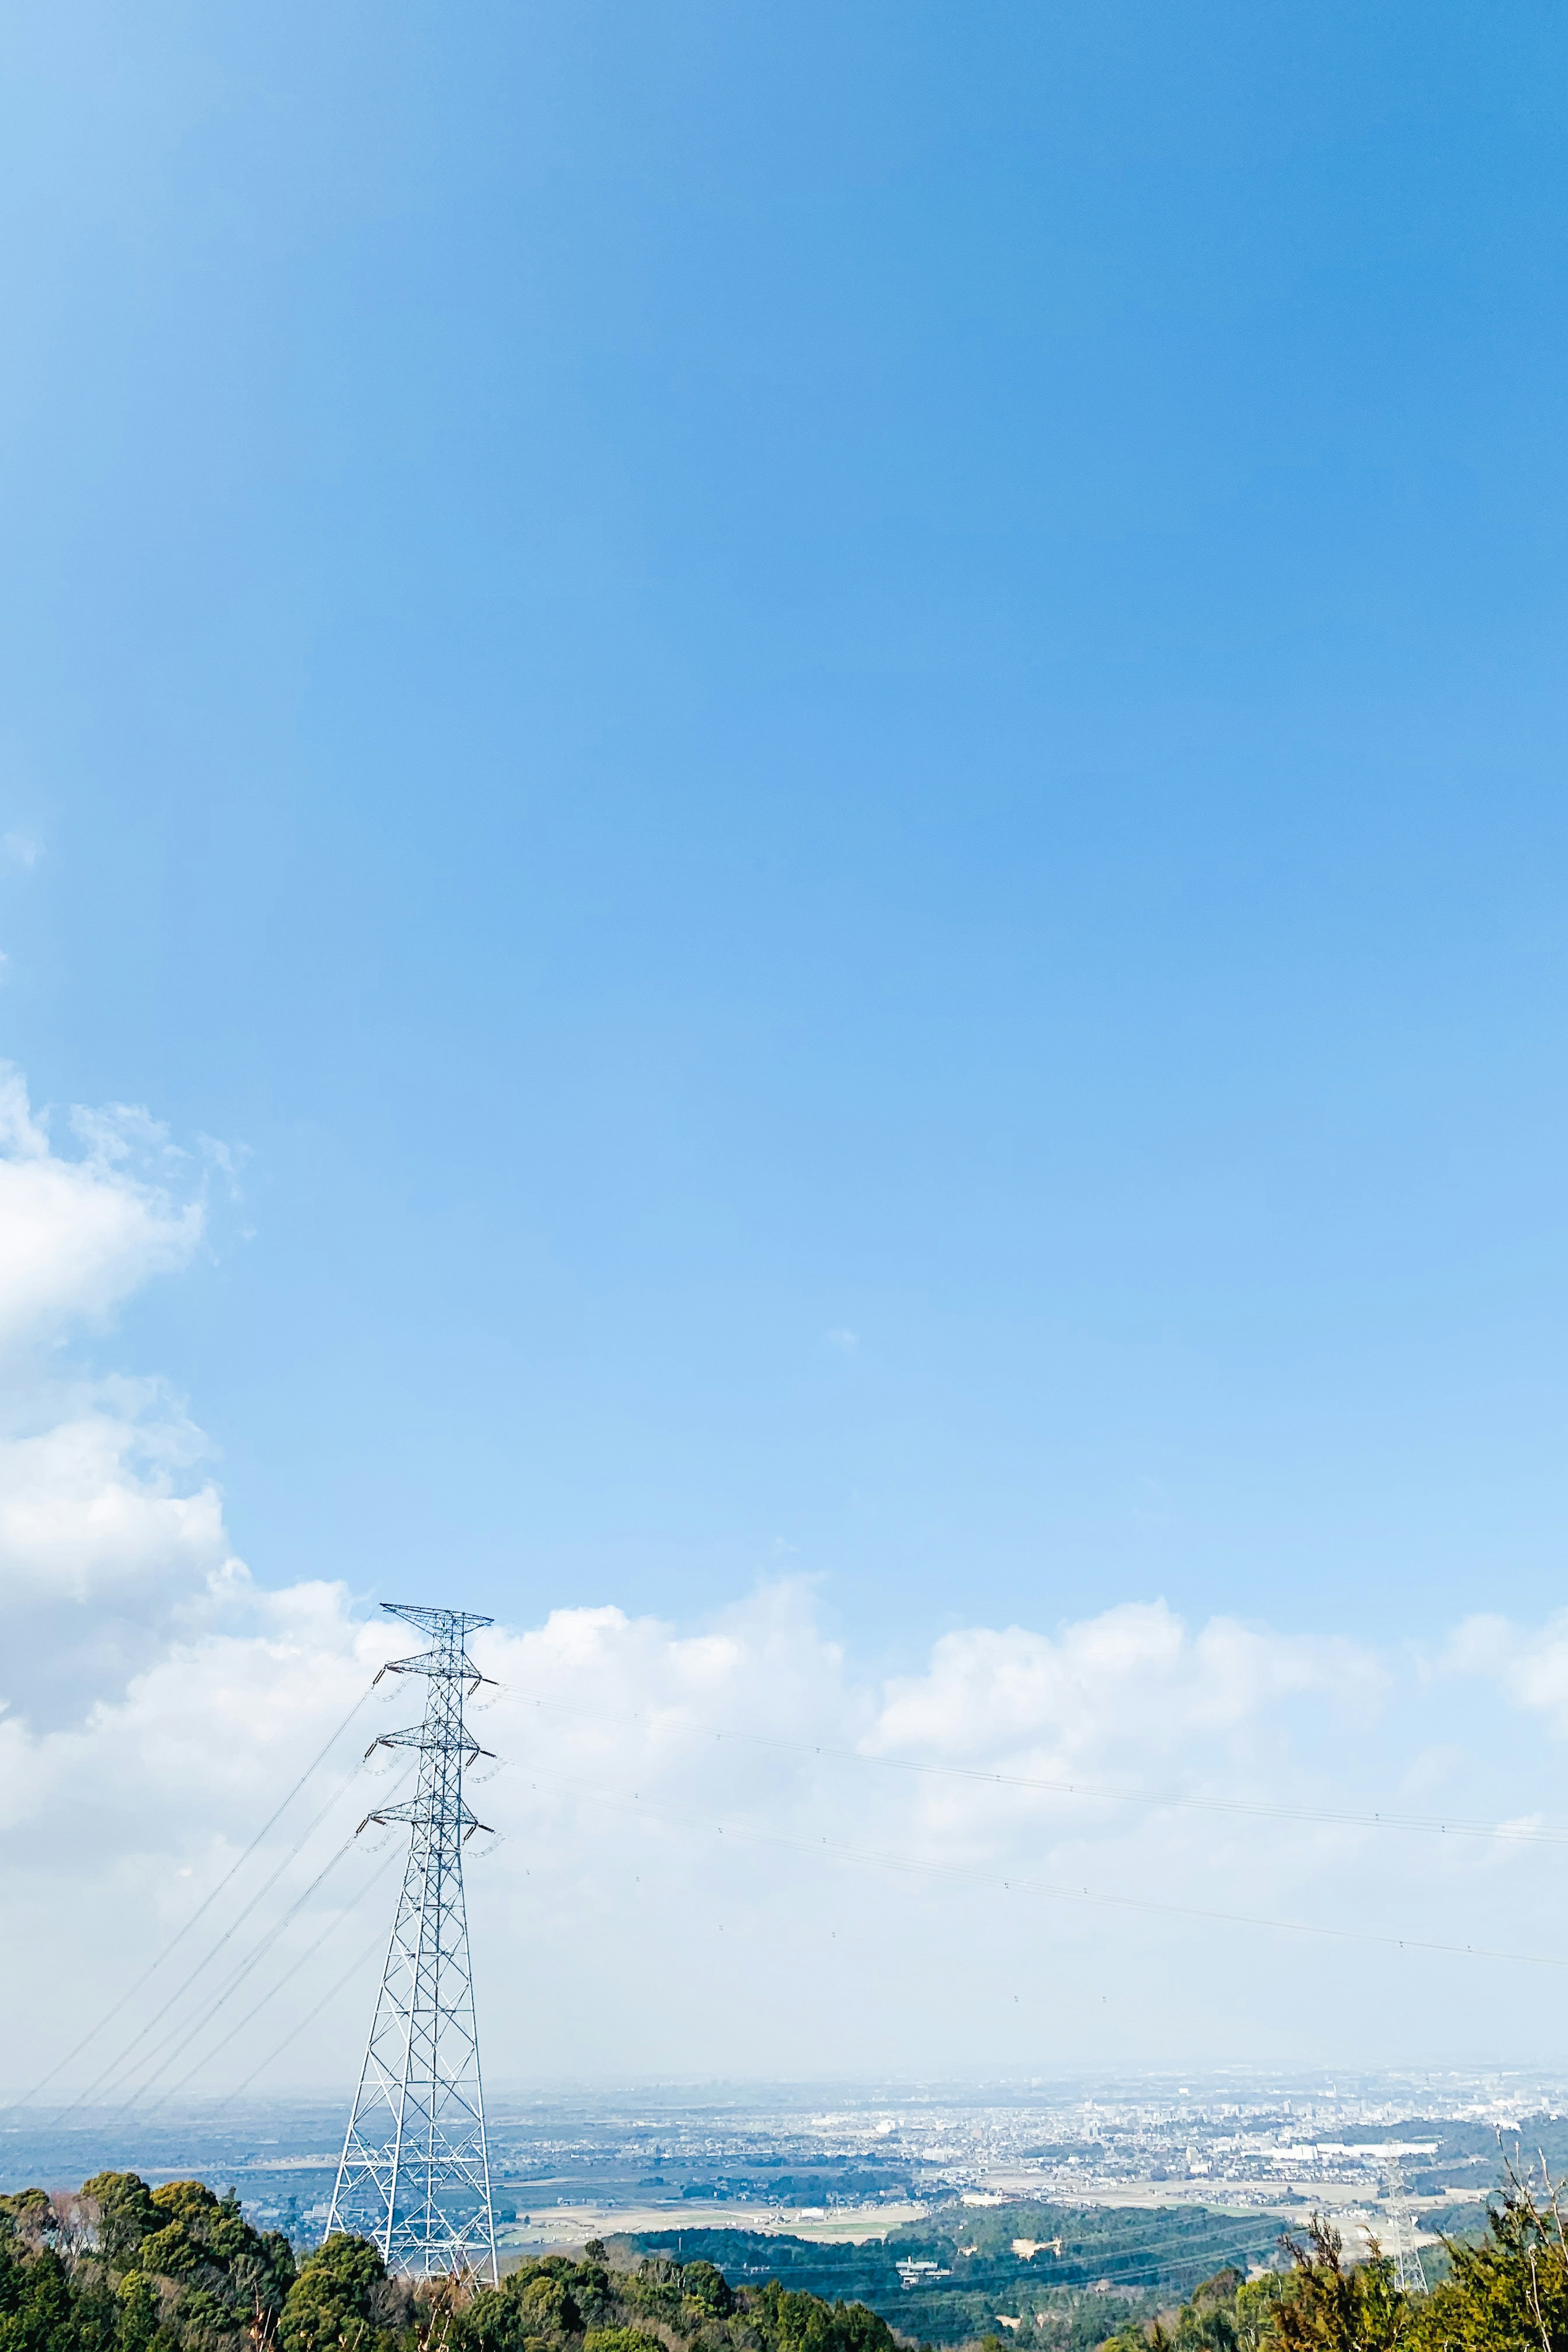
(414, 2172)
(1408, 2271)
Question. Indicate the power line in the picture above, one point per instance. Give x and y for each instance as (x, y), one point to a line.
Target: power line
(180, 2035)
(1146, 2251)
(365, 1957)
(183, 2035)
(115, 2066)
(1055, 1891)
(333, 1924)
(181, 1933)
(1149, 2252)
(1519, 1834)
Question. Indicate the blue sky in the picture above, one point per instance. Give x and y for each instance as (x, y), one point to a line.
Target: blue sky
(836, 735)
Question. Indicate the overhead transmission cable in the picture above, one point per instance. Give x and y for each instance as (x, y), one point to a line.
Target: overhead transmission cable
(361, 1962)
(1522, 1833)
(117, 2064)
(1143, 2259)
(204, 1905)
(179, 2036)
(333, 1924)
(126, 2059)
(1056, 1892)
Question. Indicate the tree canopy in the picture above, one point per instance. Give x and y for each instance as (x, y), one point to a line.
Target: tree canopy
(124, 2267)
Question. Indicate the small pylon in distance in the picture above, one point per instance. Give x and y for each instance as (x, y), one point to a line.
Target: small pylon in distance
(414, 2172)
(1408, 2271)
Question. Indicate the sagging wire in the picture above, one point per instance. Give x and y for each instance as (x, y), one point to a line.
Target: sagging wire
(181, 2034)
(118, 2065)
(333, 1924)
(642, 1808)
(1519, 1833)
(199, 1913)
(294, 2031)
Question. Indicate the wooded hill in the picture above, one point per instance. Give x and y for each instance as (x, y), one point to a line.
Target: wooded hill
(121, 2267)
(1085, 2270)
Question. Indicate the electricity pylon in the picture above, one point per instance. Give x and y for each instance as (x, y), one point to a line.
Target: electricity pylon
(414, 2172)
(1406, 2254)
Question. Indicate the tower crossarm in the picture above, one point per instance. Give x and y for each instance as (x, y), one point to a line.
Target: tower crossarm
(418, 1811)
(442, 1622)
(419, 1735)
(442, 1666)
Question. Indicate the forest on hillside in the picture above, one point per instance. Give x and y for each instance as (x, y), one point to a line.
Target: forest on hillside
(123, 2267)
(1068, 2274)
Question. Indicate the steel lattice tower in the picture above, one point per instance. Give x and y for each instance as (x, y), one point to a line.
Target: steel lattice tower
(1408, 2270)
(416, 2142)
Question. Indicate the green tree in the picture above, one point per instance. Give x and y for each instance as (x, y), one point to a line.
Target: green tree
(12, 2272)
(793, 2322)
(1255, 2302)
(1510, 2294)
(138, 2312)
(622, 2339)
(120, 2206)
(1332, 2305)
(31, 2216)
(1206, 2321)
(259, 2279)
(654, 2289)
(705, 2291)
(43, 2319)
(1225, 2313)
(337, 2299)
(535, 2306)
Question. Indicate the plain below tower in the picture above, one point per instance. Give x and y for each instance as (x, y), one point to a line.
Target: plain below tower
(414, 2172)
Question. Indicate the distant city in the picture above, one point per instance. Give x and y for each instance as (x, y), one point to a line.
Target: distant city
(848, 2163)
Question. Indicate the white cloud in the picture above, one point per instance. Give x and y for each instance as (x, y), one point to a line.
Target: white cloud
(689, 1877)
(208, 1735)
(107, 1527)
(729, 1847)
(80, 1234)
(97, 1507)
(1528, 1664)
(1133, 1677)
(707, 1830)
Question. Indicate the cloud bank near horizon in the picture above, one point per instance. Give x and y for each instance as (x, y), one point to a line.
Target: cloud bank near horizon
(725, 1849)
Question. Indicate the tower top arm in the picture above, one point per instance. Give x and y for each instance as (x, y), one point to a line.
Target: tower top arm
(442, 1622)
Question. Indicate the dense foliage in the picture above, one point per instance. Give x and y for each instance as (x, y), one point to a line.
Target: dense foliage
(1509, 2292)
(125, 2268)
(122, 2267)
(1069, 2276)
(556, 2305)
